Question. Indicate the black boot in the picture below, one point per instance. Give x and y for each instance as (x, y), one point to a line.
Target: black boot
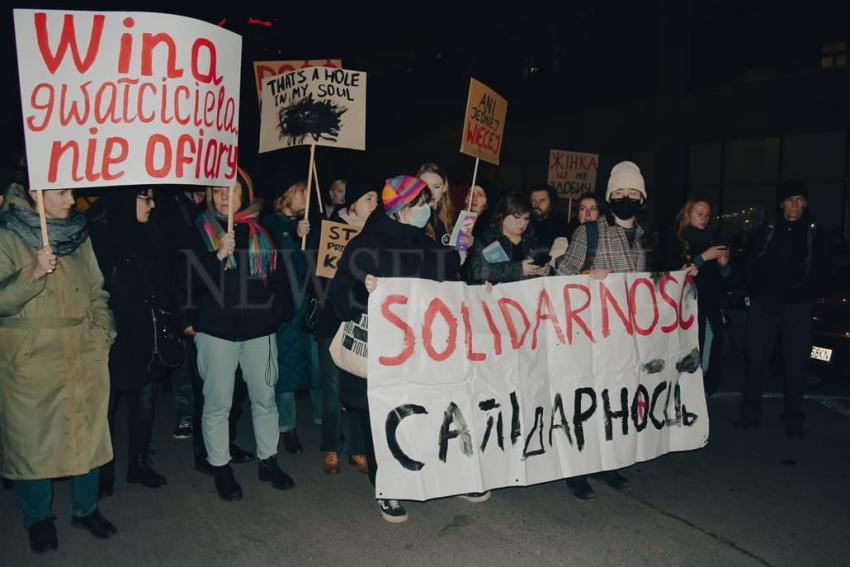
(107, 479)
(270, 472)
(580, 488)
(97, 525)
(225, 484)
(615, 480)
(140, 472)
(43, 536)
(239, 456)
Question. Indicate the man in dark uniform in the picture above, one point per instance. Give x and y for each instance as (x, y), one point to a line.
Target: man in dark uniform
(788, 266)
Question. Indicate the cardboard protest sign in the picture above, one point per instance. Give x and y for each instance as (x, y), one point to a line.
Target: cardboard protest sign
(484, 123)
(124, 98)
(316, 106)
(266, 69)
(572, 173)
(335, 237)
(538, 380)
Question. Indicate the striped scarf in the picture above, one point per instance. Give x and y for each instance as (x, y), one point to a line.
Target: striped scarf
(261, 251)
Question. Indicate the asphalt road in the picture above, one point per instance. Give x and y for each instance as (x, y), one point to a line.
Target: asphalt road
(754, 498)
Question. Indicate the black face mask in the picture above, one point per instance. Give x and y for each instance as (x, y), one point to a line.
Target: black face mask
(624, 208)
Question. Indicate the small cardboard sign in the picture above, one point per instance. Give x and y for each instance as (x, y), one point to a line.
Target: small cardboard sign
(484, 123)
(265, 69)
(315, 106)
(335, 237)
(572, 173)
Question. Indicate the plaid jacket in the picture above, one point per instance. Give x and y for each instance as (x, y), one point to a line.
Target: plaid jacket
(612, 251)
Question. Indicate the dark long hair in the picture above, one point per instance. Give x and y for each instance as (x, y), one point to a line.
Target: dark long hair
(511, 204)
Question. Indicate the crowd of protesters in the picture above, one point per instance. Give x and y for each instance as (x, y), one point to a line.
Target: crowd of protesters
(149, 287)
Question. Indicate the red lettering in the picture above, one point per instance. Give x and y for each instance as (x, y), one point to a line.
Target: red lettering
(573, 314)
(126, 50)
(56, 151)
(74, 110)
(669, 301)
(109, 159)
(68, 38)
(607, 297)
(188, 96)
(149, 42)
(437, 306)
(633, 305)
(544, 300)
(504, 302)
(47, 106)
(683, 323)
(467, 328)
(497, 336)
(101, 114)
(91, 151)
(141, 109)
(150, 166)
(409, 339)
(209, 76)
(184, 156)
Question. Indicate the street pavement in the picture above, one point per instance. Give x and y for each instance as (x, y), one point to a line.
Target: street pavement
(748, 498)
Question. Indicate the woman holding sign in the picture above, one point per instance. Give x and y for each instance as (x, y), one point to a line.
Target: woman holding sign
(391, 245)
(615, 242)
(242, 298)
(55, 332)
(297, 352)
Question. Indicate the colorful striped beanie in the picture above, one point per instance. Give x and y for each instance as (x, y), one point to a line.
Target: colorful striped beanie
(399, 191)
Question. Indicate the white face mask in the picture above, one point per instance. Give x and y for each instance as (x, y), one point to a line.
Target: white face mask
(420, 215)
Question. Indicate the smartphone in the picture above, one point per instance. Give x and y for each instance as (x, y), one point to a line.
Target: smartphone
(541, 259)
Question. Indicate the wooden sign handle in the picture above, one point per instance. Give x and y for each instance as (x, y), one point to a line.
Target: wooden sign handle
(472, 187)
(310, 169)
(230, 208)
(42, 217)
(318, 190)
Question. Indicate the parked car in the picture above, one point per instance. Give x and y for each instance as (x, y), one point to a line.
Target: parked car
(830, 357)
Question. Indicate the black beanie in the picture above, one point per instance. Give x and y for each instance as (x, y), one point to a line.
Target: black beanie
(356, 188)
(792, 188)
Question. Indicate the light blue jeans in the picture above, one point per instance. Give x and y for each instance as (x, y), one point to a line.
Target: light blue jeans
(217, 363)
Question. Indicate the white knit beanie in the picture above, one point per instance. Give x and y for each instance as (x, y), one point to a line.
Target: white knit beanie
(625, 175)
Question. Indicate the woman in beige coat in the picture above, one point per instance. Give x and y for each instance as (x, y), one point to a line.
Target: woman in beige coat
(55, 332)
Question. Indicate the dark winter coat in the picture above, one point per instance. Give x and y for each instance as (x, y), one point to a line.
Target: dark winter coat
(480, 270)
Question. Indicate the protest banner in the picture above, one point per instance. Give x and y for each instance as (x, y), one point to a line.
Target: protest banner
(265, 69)
(534, 381)
(572, 173)
(484, 123)
(334, 239)
(127, 98)
(316, 106)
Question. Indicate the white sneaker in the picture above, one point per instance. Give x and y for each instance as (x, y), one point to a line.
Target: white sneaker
(476, 496)
(392, 511)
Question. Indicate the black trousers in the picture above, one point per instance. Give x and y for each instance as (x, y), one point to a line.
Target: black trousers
(352, 394)
(791, 325)
(712, 378)
(140, 406)
(240, 392)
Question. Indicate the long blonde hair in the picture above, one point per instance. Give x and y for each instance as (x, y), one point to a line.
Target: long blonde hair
(445, 210)
(683, 219)
(285, 201)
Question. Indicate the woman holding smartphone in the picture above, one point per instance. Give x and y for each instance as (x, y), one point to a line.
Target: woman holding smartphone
(694, 247)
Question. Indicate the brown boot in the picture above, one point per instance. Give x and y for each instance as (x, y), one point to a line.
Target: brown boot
(331, 462)
(359, 461)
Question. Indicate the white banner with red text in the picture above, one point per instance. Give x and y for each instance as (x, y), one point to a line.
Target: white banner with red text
(533, 381)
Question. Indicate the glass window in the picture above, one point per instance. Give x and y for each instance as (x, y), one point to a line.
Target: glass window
(752, 161)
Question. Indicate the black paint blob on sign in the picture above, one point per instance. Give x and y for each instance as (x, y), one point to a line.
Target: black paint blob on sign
(319, 120)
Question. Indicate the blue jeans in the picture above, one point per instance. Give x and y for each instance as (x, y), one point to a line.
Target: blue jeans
(286, 397)
(217, 363)
(35, 497)
(340, 428)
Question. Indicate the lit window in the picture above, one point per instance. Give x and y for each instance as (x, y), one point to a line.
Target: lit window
(833, 54)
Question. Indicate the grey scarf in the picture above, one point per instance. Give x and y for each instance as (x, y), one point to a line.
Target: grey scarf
(65, 235)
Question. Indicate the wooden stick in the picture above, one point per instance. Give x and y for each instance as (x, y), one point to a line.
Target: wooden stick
(230, 208)
(310, 169)
(42, 216)
(318, 190)
(570, 210)
(472, 187)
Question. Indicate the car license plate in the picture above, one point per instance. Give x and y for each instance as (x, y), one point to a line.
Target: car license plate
(821, 353)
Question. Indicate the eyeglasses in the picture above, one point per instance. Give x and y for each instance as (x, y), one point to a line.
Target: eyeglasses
(148, 199)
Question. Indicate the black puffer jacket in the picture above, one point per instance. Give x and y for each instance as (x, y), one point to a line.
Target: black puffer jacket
(387, 248)
(231, 304)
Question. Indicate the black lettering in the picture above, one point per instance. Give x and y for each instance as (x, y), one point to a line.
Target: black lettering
(488, 405)
(393, 420)
(515, 428)
(655, 395)
(452, 415)
(538, 427)
(579, 417)
(640, 402)
(558, 408)
(622, 415)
